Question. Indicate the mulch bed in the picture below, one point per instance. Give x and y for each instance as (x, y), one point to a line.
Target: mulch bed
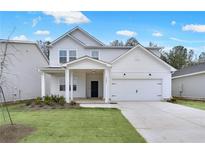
(33, 106)
(13, 133)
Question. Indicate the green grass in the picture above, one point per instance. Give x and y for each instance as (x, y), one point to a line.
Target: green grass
(191, 103)
(76, 125)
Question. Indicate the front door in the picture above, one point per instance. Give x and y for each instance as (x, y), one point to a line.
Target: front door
(94, 88)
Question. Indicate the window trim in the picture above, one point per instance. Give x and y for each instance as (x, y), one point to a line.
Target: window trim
(59, 55)
(69, 54)
(95, 51)
(59, 83)
(74, 89)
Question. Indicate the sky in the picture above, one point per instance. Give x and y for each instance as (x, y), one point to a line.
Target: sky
(166, 29)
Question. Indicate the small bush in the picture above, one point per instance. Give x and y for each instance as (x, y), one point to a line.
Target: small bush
(62, 100)
(172, 100)
(28, 103)
(38, 100)
(55, 98)
(73, 103)
(47, 100)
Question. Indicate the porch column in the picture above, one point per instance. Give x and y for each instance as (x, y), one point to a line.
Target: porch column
(71, 85)
(67, 83)
(107, 86)
(104, 84)
(43, 85)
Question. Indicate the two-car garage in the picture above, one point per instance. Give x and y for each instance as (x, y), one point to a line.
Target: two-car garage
(136, 89)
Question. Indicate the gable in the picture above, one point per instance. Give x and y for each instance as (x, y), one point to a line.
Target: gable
(87, 40)
(86, 64)
(139, 60)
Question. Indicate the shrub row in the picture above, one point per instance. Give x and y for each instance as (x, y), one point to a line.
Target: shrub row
(50, 100)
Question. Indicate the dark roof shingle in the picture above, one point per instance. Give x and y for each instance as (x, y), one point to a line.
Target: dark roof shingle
(190, 69)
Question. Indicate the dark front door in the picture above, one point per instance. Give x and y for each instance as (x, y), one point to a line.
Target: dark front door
(94, 88)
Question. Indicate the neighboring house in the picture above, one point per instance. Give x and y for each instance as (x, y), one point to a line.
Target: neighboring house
(21, 78)
(80, 66)
(189, 82)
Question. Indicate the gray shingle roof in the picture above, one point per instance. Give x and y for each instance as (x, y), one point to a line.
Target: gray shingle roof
(189, 70)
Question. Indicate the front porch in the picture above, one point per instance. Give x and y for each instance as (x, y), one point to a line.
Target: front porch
(89, 100)
(86, 81)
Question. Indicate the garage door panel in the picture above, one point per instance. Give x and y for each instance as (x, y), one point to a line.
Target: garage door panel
(136, 90)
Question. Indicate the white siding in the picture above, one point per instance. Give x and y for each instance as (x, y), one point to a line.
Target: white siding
(22, 77)
(84, 38)
(82, 80)
(190, 86)
(67, 43)
(139, 65)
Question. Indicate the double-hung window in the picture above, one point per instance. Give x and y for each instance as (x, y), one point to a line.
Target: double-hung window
(72, 55)
(62, 84)
(95, 54)
(62, 56)
(74, 87)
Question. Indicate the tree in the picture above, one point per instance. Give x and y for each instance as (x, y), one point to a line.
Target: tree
(116, 43)
(4, 62)
(44, 47)
(152, 44)
(131, 42)
(178, 57)
(201, 57)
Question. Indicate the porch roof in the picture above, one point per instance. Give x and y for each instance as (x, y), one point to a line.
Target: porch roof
(89, 59)
(52, 69)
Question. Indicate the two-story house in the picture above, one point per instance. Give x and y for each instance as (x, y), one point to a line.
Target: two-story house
(20, 78)
(81, 66)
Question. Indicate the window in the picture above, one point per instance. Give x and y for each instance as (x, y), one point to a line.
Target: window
(62, 56)
(95, 55)
(62, 84)
(72, 55)
(74, 87)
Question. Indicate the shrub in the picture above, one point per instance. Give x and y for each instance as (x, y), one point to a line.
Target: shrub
(62, 100)
(172, 100)
(47, 100)
(38, 100)
(55, 98)
(73, 103)
(28, 103)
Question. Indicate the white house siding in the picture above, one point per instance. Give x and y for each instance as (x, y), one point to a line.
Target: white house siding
(191, 87)
(82, 79)
(84, 38)
(79, 81)
(67, 43)
(22, 77)
(138, 65)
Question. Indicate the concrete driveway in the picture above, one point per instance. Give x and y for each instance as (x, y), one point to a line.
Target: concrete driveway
(165, 122)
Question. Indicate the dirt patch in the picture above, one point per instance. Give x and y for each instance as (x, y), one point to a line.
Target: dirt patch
(13, 133)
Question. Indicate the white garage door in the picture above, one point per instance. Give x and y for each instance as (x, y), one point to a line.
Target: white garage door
(136, 90)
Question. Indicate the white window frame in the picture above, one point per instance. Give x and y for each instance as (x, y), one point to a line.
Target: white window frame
(59, 83)
(95, 51)
(69, 53)
(59, 55)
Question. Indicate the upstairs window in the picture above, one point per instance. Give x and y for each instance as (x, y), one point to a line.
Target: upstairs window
(62, 56)
(72, 55)
(95, 54)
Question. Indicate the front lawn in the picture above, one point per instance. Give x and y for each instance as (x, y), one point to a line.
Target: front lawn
(75, 125)
(191, 103)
